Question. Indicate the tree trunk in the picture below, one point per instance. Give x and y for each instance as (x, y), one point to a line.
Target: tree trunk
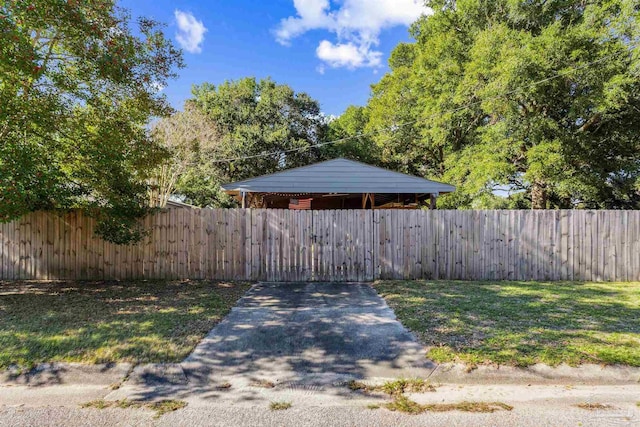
(539, 195)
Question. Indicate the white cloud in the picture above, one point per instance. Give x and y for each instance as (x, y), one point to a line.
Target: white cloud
(356, 23)
(190, 33)
(312, 14)
(347, 55)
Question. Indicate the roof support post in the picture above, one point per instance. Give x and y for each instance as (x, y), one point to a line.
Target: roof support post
(432, 200)
(366, 197)
(244, 200)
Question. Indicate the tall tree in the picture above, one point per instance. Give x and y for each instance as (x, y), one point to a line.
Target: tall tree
(77, 87)
(255, 118)
(192, 141)
(347, 137)
(393, 110)
(540, 97)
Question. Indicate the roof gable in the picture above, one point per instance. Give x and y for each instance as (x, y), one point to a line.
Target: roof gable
(339, 176)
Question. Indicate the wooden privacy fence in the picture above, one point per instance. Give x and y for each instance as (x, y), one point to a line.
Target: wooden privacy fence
(336, 245)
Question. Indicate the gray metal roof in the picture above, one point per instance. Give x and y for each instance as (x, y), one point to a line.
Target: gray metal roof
(339, 176)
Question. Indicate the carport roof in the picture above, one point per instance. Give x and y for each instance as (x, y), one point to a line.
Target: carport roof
(338, 176)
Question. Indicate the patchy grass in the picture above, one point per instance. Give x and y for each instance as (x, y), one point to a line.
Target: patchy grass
(98, 404)
(396, 387)
(521, 323)
(102, 322)
(358, 386)
(594, 406)
(373, 406)
(166, 406)
(402, 403)
(162, 407)
(414, 385)
(280, 406)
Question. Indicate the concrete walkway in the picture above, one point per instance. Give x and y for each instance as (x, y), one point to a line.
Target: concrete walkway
(302, 335)
(309, 328)
(315, 337)
(302, 343)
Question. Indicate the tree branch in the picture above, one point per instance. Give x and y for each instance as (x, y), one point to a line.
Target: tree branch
(595, 119)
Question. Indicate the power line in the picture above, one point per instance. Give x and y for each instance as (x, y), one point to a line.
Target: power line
(401, 125)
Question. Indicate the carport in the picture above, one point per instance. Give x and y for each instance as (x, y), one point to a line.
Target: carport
(337, 184)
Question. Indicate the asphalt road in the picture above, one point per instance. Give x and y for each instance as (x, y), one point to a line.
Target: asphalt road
(532, 406)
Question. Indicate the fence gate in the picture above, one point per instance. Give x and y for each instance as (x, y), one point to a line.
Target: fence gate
(342, 247)
(332, 245)
(281, 245)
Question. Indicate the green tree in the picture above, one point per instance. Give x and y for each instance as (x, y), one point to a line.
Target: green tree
(394, 109)
(192, 140)
(255, 118)
(542, 97)
(77, 87)
(353, 140)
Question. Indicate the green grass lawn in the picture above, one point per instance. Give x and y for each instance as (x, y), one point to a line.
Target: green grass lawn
(521, 323)
(101, 322)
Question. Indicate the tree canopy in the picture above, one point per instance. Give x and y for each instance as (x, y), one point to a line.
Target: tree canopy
(263, 127)
(193, 141)
(541, 99)
(78, 85)
(537, 99)
(353, 140)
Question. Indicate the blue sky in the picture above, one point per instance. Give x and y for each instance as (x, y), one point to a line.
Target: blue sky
(332, 50)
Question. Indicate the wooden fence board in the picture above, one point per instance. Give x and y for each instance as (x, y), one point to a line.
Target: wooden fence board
(4, 252)
(332, 245)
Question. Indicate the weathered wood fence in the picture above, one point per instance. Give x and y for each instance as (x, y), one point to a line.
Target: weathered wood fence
(337, 245)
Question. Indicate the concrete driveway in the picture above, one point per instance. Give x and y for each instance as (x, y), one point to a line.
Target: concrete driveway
(291, 330)
(307, 339)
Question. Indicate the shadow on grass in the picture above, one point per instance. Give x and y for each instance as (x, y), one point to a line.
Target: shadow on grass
(103, 322)
(521, 323)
